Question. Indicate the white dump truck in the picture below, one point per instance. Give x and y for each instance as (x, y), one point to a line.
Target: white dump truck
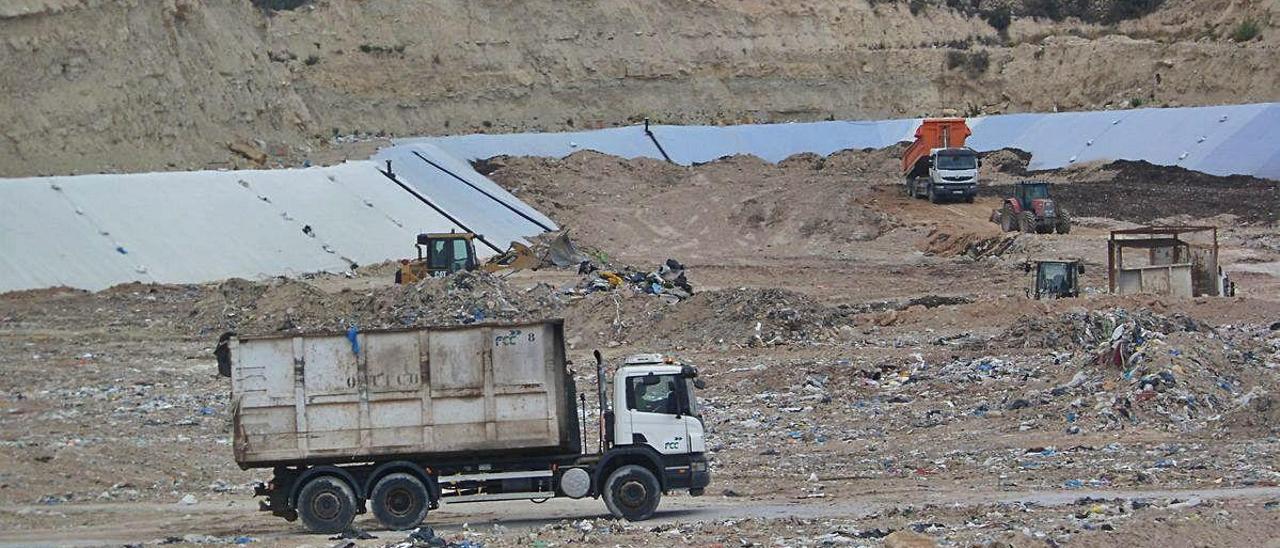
(400, 421)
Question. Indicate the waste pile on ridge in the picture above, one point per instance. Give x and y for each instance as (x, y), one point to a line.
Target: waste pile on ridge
(291, 306)
(668, 280)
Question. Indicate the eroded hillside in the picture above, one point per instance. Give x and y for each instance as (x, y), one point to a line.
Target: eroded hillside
(123, 85)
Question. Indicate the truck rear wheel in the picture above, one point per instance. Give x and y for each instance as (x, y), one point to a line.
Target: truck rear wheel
(632, 492)
(327, 505)
(399, 501)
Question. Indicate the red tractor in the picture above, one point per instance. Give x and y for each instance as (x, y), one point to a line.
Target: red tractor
(1030, 209)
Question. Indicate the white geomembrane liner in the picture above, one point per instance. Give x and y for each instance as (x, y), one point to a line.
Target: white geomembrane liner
(95, 231)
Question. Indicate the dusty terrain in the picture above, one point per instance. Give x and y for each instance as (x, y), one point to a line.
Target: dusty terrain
(874, 369)
(126, 85)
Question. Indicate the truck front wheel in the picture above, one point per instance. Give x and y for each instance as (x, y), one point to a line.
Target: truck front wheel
(399, 501)
(327, 505)
(632, 492)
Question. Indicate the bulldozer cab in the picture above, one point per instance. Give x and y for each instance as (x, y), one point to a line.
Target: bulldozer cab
(447, 253)
(1056, 279)
(1026, 191)
(439, 255)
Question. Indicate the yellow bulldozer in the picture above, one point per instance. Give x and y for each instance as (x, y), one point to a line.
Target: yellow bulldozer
(442, 254)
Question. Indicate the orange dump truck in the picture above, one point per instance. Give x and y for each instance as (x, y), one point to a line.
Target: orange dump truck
(937, 165)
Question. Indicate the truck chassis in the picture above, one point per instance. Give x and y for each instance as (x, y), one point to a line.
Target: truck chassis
(630, 479)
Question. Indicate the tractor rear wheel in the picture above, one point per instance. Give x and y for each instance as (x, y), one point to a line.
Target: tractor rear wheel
(1027, 222)
(1006, 219)
(1064, 223)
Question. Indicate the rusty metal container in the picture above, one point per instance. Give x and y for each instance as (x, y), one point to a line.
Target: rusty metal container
(427, 393)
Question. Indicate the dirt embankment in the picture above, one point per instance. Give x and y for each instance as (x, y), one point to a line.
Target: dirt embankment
(738, 206)
(115, 85)
(1141, 192)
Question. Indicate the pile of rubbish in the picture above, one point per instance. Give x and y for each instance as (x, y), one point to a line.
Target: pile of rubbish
(667, 281)
(1087, 329)
(426, 537)
(461, 298)
(1134, 368)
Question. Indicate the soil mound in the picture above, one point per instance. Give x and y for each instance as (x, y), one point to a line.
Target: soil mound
(738, 205)
(1142, 192)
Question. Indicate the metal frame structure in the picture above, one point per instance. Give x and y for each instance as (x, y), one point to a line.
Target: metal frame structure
(1152, 238)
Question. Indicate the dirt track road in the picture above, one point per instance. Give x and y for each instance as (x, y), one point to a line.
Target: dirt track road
(123, 523)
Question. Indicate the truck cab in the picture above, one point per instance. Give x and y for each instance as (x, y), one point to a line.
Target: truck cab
(655, 405)
(953, 174)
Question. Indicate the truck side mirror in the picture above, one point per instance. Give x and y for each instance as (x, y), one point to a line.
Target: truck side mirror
(979, 162)
(1026, 267)
(699, 384)
(1080, 268)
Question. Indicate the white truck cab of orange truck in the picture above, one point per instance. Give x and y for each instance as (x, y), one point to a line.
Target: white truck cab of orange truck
(398, 422)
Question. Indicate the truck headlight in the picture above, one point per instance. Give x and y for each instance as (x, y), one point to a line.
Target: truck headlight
(698, 467)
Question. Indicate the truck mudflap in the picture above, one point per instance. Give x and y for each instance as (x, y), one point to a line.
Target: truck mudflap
(277, 498)
(686, 472)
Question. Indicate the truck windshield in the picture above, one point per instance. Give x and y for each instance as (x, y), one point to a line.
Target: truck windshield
(956, 161)
(653, 398)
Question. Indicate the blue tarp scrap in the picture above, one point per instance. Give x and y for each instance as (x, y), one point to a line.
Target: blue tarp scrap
(353, 335)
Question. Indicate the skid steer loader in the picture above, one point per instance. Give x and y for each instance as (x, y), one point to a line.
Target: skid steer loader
(1055, 279)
